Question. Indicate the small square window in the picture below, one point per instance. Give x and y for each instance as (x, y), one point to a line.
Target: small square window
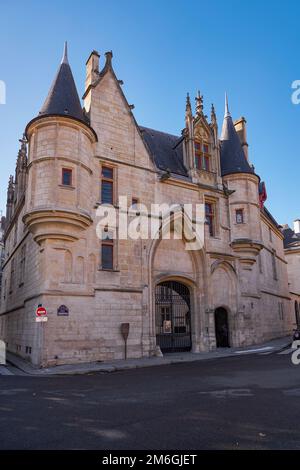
(66, 177)
(239, 216)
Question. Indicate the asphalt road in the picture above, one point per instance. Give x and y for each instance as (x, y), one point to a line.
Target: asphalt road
(245, 402)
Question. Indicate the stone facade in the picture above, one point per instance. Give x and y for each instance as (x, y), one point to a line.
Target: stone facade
(292, 256)
(53, 254)
(2, 227)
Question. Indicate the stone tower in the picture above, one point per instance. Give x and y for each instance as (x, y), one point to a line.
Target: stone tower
(60, 149)
(241, 185)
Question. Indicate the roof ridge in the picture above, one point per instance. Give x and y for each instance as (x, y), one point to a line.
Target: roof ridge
(161, 132)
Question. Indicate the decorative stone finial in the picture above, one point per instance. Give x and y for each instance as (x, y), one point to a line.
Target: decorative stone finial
(213, 117)
(188, 108)
(199, 103)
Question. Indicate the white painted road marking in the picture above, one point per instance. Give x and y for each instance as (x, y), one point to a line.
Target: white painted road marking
(266, 348)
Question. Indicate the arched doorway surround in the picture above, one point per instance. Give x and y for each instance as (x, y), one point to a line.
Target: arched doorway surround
(168, 261)
(173, 316)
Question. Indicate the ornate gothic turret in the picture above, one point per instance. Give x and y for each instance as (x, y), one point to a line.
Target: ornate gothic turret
(21, 168)
(60, 148)
(202, 157)
(10, 199)
(241, 185)
(189, 134)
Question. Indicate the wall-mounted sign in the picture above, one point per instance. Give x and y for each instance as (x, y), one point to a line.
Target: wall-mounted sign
(63, 311)
(41, 314)
(167, 326)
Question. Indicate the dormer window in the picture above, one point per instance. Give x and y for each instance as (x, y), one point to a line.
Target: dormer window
(202, 157)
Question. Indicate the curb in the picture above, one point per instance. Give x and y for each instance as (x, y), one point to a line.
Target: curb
(30, 370)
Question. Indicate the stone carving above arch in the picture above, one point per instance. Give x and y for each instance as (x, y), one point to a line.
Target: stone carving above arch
(223, 285)
(223, 264)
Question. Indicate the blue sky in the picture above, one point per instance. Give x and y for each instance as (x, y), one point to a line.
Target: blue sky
(162, 49)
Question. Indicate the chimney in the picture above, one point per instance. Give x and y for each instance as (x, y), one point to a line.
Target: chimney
(92, 69)
(297, 226)
(240, 127)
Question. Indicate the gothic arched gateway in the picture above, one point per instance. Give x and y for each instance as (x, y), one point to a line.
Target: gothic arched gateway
(173, 316)
(222, 329)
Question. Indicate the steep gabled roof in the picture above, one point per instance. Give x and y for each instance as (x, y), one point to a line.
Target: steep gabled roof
(233, 159)
(166, 149)
(63, 99)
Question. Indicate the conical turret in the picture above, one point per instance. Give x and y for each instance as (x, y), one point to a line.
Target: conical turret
(233, 158)
(63, 99)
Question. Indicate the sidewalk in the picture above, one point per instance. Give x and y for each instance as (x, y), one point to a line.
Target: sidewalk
(119, 365)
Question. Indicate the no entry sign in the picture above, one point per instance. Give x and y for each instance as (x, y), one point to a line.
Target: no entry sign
(41, 314)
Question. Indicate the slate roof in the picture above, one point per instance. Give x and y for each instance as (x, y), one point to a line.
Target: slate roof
(270, 217)
(63, 99)
(166, 149)
(290, 237)
(233, 159)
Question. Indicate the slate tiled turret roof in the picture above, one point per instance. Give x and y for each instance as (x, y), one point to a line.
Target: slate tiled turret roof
(233, 159)
(63, 99)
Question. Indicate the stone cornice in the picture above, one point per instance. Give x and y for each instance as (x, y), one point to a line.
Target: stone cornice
(44, 121)
(58, 224)
(65, 159)
(242, 176)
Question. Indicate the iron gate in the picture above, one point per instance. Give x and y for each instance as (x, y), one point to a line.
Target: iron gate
(173, 316)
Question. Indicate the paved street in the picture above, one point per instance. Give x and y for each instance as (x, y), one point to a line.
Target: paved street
(244, 402)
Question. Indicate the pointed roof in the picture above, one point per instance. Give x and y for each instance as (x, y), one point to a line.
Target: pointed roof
(233, 159)
(63, 99)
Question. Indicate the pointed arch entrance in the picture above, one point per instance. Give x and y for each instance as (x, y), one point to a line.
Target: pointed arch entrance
(173, 316)
(222, 328)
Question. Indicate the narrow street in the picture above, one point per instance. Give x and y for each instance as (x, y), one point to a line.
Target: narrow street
(244, 402)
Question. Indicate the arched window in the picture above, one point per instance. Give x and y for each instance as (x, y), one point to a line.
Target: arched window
(202, 155)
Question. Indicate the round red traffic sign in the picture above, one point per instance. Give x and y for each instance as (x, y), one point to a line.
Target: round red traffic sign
(41, 312)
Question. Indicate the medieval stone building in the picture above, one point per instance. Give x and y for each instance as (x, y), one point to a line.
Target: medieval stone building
(231, 292)
(292, 254)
